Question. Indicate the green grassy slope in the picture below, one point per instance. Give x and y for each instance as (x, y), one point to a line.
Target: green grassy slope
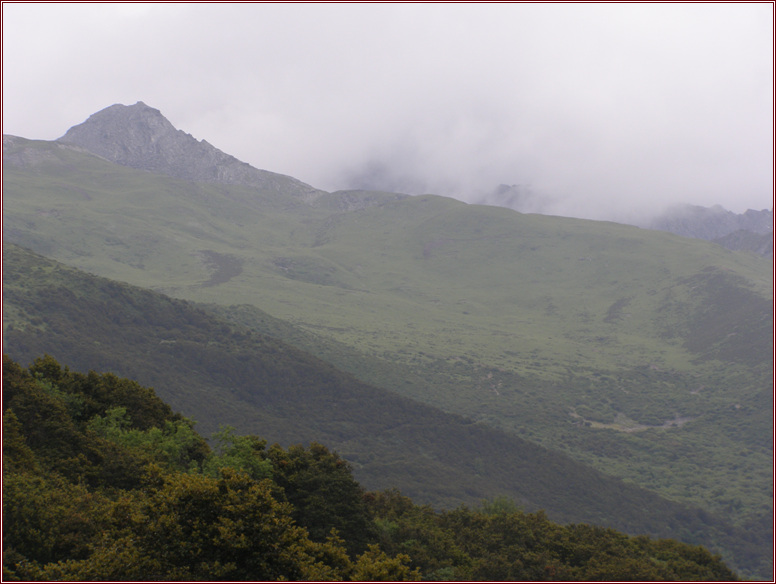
(642, 353)
(218, 373)
(428, 273)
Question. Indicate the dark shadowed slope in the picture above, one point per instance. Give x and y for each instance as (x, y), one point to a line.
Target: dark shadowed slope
(220, 374)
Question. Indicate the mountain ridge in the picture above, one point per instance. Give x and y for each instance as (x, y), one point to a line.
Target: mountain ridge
(140, 137)
(627, 348)
(713, 223)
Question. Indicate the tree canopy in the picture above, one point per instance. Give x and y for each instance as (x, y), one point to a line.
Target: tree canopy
(103, 481)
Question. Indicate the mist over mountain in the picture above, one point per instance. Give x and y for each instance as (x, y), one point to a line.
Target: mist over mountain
(748, 231)
(711, 223)
(644, 355)
(518, 197)
(140, 137)
(402, 170)
(743, 240)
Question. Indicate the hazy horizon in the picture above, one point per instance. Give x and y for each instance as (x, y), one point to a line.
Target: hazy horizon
(600, 111)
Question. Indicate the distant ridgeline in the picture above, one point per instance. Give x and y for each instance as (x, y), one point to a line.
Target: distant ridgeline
(608, 374)
(749, 231)
(103, 481)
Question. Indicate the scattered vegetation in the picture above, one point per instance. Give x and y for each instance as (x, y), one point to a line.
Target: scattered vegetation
(641, 354)
(220, 373)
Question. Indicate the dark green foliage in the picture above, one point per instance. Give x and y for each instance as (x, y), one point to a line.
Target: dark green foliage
(231, 528)
(192, 514)
(499, 543)
(17, 455)
(60, 413)
(244, 453)
(324, 494)
(133, 493)
(174, 443)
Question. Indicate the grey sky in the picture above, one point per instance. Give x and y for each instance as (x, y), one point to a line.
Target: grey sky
(602, 108)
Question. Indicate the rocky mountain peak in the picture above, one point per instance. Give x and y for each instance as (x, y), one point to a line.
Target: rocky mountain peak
(751, 230)
(134, 135)
(140, 137)
(711, 222)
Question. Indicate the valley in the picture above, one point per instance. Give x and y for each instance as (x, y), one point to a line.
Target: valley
(642, 354)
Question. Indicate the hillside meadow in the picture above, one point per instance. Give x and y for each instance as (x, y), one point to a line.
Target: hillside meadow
(642, 354)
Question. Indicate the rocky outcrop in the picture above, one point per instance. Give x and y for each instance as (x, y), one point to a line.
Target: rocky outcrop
(743, 240)
(711, 222)
(748, 231)
(23, 153)
(140, 137)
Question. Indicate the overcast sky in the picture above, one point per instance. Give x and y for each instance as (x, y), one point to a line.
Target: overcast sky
(600, 108)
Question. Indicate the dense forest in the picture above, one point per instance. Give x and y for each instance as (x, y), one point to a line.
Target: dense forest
(103, 481)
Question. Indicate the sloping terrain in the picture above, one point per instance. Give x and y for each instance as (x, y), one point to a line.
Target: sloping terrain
(743, 240)
(102, 481)
(712, 223)
(218, 374)
(140, 137)
(749, 231)
(642, 353)
(545, 326)
(383, 269)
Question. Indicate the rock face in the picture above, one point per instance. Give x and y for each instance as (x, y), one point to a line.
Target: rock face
(711, 222)
(748, 231)
(140, 137)
(743, 240)
(17, 153)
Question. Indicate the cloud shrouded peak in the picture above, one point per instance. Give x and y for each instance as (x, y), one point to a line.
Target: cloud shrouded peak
(603, 109)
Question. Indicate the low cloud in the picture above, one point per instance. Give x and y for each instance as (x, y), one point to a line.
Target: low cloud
(599, 110)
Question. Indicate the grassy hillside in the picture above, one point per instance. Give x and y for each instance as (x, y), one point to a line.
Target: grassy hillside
(217, 373)
(428, 274)
(642, 353)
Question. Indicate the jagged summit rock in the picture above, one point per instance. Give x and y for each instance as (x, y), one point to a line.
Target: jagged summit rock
(711, 222)
(140, 137)
(745, 240)
(748, 231)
